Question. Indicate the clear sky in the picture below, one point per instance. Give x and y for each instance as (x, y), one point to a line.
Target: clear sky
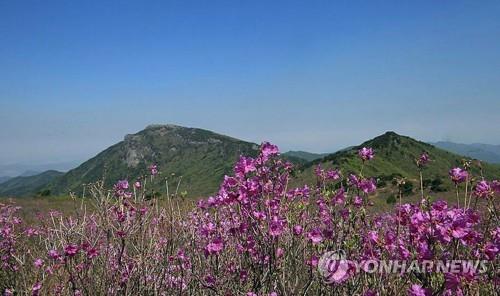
(76, 76)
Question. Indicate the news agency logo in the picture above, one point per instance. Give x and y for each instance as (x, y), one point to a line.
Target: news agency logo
(335, 267)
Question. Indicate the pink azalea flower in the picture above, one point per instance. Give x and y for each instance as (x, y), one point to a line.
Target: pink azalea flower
(403, 252)
(31, 232)
(35, 290)
(276, 226)
(315, 236)
(313, 261)
(210, 280)
(358, 201)
(259, 215)
(230, 182)
(483, 189)
(122, 184)
(339, 197)
(418, 290)
(215, 247)
(53, 254)
(458, 175)
(319, 172)
(366, 153)
(495, 185)
(367, 185)
(153, 169)
(491, 250)
(92, 253)
(297, 230)
(279, 252)
(120, 188)
(373, 237)
(244, 166)
(208, 229)
(353, 180)
(267, 150)
(333, 175)
(452, 281)
(71, 250)
(423, 159)
(38, 262)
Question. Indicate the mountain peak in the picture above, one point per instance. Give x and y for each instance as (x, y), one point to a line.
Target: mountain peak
(158, 130)
(200, 156)
(391, 134)
(163, 126)
(396, 154)
(388, 139)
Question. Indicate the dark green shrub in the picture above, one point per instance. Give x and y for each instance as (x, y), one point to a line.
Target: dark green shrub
(391, 199)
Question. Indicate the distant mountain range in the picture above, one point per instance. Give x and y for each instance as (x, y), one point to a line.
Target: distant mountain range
(28, 185)
(199, 159)
(484, 152)
(27, 173)
(30, 169)
(4, 178)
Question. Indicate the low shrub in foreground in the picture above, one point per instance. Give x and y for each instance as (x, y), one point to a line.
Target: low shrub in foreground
(257, 236)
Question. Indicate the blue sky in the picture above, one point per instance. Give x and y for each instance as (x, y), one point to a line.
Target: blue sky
(76, 76)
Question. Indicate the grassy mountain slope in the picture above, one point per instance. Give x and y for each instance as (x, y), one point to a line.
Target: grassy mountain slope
(27, 185)
(396, 154)
(201, 157)
(304, 155)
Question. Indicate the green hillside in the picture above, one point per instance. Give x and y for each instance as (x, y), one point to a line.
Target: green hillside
(27, 185)
(395, 155)
(304, 156)
(200, 156)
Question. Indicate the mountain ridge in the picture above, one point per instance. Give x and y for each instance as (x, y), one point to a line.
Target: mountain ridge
(4, 179)
(198, 159)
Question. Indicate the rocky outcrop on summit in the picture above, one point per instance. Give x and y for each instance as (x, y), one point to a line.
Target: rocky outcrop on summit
(200, 156)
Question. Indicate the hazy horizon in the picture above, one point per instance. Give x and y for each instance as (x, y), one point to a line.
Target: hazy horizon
(76, 77)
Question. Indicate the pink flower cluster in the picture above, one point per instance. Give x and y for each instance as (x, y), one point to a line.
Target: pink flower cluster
(366, 153)
(458, 175)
